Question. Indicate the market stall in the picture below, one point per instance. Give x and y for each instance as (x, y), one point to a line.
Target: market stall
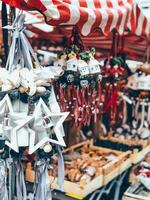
(95, 100)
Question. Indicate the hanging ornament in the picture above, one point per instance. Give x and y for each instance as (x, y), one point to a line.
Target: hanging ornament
(13, 126)
(46, 128)
(47, 148)
(77, 89)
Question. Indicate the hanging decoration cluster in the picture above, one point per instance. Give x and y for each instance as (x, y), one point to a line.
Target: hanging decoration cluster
(30, 118)
(79, 89)
(88, 88)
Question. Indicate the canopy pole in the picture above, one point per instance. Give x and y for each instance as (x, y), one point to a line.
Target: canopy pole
(5, 31)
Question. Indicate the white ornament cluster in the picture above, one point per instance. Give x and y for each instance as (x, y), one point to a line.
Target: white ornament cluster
(21, 130)
(28, 81)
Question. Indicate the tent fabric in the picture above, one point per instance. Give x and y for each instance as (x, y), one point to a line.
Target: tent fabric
(18, 4)
(86, 14)
(134, 46)
(140, 23)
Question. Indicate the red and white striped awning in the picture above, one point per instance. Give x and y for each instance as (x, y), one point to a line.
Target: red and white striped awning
(140, 19)
(86, 14)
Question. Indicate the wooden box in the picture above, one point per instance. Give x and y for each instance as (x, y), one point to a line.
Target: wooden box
(71, 188)
(116, 167)
(128, 142)
(106, 173)
(136, 155)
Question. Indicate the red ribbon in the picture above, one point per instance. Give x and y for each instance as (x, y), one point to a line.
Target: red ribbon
(112, 100)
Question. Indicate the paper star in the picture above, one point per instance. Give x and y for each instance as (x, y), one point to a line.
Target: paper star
(54, 107)
(41, 132)
(13, 131)
(18, 132)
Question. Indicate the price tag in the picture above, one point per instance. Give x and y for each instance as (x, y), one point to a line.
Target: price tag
(72, 64)
(94, 66)
(143, 82)
(83, 68)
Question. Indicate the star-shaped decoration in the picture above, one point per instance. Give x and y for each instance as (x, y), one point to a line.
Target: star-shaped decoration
(18, 133)
(46, 127)
(14, 125)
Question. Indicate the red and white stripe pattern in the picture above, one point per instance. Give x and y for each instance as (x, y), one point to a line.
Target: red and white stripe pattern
(86, 14)
(140, 23)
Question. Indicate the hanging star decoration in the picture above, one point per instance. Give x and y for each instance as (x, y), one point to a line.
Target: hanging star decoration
(46, 127)
(14, 126)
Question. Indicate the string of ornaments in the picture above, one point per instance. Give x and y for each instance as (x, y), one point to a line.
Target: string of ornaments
(87, 88)
(79, 89)
(137, 124)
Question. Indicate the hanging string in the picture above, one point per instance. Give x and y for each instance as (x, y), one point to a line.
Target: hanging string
(19, 40)
(76, 39)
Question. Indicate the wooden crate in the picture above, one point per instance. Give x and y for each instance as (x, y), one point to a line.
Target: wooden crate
(106, 174)
(71, 189)
(129, 142)
(136, 155)
(143, 143)
(117, 167)
(126, 162)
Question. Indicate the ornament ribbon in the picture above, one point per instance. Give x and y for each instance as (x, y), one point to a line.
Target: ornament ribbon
(42, 185)
(61, 169)
(20, 41)
(3, 178)
(20, 182)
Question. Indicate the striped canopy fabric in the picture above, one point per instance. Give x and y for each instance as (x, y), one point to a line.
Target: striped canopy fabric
(134, 46)
(86, 14)
(140, 20)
